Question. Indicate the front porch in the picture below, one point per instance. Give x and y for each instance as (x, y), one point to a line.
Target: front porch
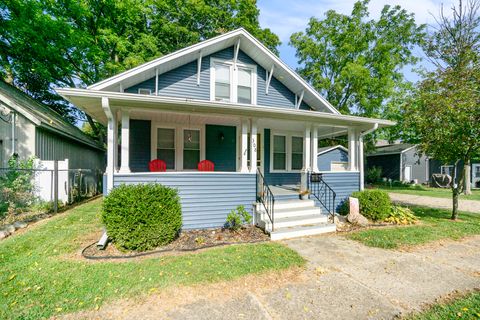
(285, 151)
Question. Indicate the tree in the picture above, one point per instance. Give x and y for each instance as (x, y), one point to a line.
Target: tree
(446, 112)
(44, 44)
(354, 62)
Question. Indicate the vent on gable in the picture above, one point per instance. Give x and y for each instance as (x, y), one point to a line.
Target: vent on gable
(144, 91)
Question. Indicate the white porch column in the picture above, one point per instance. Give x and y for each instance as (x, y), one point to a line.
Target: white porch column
(115, 140)
(351, 149)
(125, 163)
(306, 158)
(360, 162)
(314, 148)
(253, 145)
(110, 169)
(244, 148)
(306, 148)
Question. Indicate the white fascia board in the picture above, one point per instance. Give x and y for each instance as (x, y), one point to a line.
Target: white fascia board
(201, 45)
(410, 148)
(169, 57)
(232, 108)
(18, 109)
(333, 148)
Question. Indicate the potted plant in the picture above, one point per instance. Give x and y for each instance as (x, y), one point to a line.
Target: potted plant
(304, 194)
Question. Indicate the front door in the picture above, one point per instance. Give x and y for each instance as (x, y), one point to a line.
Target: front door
(221, 146)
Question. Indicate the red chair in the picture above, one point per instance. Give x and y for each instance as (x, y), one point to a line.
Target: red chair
(157, 165)
(206, 165)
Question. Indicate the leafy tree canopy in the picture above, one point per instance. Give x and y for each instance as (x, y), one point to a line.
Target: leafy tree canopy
(445, 111)
(76, 43)
(357, 63)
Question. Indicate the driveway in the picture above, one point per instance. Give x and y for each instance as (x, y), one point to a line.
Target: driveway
(432, 202)
(343, 280)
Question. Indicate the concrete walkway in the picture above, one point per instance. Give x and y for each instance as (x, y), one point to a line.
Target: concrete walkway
(440, 203)
(343, 280)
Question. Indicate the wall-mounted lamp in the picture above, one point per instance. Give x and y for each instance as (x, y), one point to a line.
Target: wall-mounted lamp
(221, 136)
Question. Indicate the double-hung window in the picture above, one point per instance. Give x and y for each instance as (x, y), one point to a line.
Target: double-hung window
(191, 149)
(222, 82)
(279, 152)
(297, 153)
(244, 88)
(232, 82)
(166, 146)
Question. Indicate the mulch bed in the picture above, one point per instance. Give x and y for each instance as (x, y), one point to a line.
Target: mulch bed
(188, 240)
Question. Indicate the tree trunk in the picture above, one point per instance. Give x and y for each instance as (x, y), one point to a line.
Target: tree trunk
(467, 189)
(455, 204)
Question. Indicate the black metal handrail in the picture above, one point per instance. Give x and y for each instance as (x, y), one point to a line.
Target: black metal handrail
(265, 196)
(322, 192)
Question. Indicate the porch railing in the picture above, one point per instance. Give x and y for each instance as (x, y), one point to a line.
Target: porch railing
(265, 197)
(322, 192)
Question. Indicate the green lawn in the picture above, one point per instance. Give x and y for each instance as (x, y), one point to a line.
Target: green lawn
(467, 307)
(38, 279)
(435, 224)
(419, 190)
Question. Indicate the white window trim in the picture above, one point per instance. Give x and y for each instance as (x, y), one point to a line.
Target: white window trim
(233, 79)
(288, 149)
(179, 128)
(345, 163)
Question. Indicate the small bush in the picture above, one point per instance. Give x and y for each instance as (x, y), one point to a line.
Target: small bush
(374, 204)
(17, 187)
(400, 215)
(237, 218)
(142, 217)
(373, 175)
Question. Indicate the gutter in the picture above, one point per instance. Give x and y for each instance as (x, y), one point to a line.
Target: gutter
(361, 159)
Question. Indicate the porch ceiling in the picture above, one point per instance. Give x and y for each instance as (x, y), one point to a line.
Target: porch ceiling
(90, 102)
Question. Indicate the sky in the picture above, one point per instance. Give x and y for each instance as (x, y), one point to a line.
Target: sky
(285, 17)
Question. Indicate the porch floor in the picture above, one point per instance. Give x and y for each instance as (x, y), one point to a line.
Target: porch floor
(285, 191)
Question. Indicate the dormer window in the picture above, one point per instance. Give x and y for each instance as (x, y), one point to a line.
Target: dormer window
(222, 82)
(232, 82)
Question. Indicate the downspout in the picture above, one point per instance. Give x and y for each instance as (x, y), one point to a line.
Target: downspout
(14, 124)
(360, 155)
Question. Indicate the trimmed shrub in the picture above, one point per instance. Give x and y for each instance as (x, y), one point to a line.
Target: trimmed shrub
(142, 217)
(374, 204)
(373, 175)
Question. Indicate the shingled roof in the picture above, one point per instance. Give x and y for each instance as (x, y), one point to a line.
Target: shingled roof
(43, 116)
(391, 149)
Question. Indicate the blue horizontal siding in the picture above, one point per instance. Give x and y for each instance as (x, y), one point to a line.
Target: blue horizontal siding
(182, 82)
(343, 183)
(206, 198)
(324, 160)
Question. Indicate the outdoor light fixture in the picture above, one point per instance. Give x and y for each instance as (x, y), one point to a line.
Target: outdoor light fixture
(221, 136)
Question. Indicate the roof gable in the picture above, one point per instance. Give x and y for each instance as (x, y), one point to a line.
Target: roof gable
(248, 44)
(41, 115)
(331, 148)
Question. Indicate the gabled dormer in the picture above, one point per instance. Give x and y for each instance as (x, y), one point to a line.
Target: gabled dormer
(231, 68)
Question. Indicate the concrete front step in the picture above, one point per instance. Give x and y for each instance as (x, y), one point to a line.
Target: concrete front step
(293, 221)
(302, 231)
(297, 212)
(293, 204)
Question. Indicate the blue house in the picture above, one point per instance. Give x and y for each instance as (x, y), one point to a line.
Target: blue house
(231, 101)
(334, 158)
